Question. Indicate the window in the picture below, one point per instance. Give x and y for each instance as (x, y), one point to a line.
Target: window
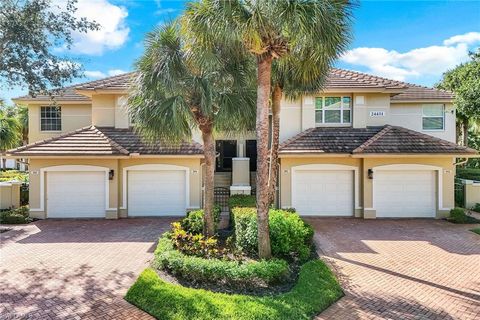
(433, 117)
(333, 110)
(50, 118)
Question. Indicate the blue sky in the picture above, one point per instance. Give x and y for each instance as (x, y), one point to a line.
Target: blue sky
(414, 41)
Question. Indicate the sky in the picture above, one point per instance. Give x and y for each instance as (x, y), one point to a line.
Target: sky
(412, 41)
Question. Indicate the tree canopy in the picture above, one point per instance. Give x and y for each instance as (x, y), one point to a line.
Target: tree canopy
(30, 31)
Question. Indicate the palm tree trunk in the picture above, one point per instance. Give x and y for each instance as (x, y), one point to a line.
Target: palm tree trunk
(4, 162)
(276, 99)
(209, 152)
(465, 132)
(458, 127)
(264, 65)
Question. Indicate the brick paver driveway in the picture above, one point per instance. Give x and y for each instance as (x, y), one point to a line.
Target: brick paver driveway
(402, 269)
(79, 269)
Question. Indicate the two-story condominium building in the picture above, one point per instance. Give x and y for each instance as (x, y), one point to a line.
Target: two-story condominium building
(365, 147)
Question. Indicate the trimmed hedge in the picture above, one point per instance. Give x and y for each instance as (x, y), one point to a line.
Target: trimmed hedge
(314, 292)
(217, 271)
(290, 236)
(459, 216)
(242, 201)
(468, 173)
(15, 216)
(193, 222)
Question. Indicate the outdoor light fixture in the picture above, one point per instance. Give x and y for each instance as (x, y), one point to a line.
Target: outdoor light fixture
(370, 174)
(111, 173)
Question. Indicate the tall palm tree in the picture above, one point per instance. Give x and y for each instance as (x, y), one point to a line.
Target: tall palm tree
(268, 30)
(179, 89)
(10, 134)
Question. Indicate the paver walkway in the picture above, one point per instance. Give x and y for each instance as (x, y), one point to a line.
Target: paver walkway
(77, 269)
(402, 269)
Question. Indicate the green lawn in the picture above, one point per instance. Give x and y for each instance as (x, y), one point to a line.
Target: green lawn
(476, 230)
(316, 289)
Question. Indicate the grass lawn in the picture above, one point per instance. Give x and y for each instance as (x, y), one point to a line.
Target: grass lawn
(316, 289)
(476, 230)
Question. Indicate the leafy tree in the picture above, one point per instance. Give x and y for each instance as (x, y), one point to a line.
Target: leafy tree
(268, 30)
(464, 81)
(180, 89)
(29, 32)
(10, 134)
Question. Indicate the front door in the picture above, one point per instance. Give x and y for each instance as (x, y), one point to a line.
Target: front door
(251, 152)
(227, 150)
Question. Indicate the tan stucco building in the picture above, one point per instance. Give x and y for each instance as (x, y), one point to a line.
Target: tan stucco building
(364, 147)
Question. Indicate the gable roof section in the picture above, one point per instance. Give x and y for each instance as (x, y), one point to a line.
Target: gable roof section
(93, 141)
(337, 79)
(67, 94)
(373, 140)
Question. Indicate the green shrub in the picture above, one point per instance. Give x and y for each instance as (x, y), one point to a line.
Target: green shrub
(458, 215)
(9, 175)
(193, 222)
(193, 244)
(15, 216)
(242, 201)
(218, 271)
(468, 173)
(290, 236)
(476, 207)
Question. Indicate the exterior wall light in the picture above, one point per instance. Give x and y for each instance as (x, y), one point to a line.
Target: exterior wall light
(370, 173)
(111, 173)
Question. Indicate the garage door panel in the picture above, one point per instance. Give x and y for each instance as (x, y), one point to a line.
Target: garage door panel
(76, 194)
(156, 193)
(327, 193)
(405, 194)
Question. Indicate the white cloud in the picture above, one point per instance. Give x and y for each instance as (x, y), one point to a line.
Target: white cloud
(166, 11)
(427, 61)
(468, 38)
(113, 32)
(115, 72)
(95, 74)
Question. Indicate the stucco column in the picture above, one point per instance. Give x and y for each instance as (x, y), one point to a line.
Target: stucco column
(368, 210)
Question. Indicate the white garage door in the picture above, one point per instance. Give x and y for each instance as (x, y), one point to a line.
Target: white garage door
(404, 194)
(156, 193)
(323, 193)
(76, 194)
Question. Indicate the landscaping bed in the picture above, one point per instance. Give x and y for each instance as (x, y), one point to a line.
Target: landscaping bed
(221, 277)
(459, 216)
(15, 216)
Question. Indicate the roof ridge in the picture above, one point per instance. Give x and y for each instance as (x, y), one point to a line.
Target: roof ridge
(116, 145)
(377, 136)
(36, 143)
(79, 85)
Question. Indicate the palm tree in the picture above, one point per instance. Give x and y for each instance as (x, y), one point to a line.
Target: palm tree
(268, 30)
(179, 89)
(10, 134)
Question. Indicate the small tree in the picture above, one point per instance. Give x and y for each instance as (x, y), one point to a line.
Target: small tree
(268, 30)
(10, 134)
(29, 32)
(464, 81)
(179, 89)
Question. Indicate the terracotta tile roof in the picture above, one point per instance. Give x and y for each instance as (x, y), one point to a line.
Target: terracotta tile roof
(387, 139)
(67, 93)
(341, 78)
(415, 92)
(93, 141)
(328, 140)
(119, 82)
(393, 139)
(337, 79)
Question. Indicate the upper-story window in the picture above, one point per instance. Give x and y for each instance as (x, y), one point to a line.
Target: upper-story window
(433, 117)
(333, 110)
(51, 118)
